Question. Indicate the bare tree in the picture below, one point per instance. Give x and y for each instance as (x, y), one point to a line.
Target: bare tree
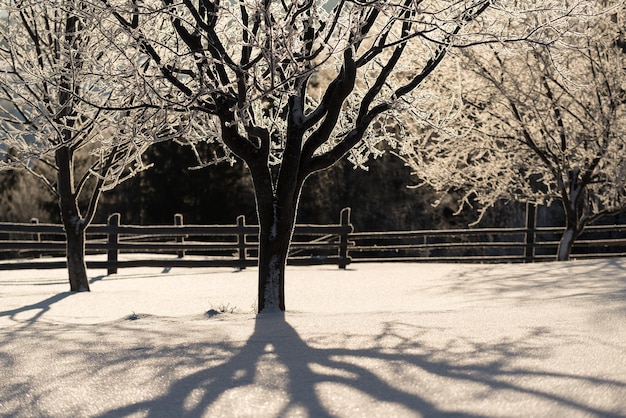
(538, 124)
(242, 73)
(48, 60)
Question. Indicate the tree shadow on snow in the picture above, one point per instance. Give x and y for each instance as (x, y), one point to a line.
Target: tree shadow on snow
(39, 308)
(289, 373)
(44, 306)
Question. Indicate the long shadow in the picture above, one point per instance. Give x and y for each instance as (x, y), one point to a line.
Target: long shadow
(97, 279)
(43, 306)
(297, 370)
(40, 307)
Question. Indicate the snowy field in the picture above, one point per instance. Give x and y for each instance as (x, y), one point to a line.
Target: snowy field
(376, 340)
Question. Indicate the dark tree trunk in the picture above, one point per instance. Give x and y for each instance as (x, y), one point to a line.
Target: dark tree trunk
(566, 243)
(277, 197)
(575, 221)
(277, 216)
(273, 250)
(75, 254)
(72, 222)
(574, 226)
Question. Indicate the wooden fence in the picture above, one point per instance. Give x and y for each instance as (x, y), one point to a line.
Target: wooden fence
(182, 245)
(484, 245)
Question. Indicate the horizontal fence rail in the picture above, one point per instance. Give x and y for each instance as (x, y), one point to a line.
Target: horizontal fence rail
(485, 245)
(235, 246)
(179, 245)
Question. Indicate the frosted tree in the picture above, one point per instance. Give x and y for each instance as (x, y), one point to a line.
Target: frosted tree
(539, 123)
(242, 72)
(49, 58)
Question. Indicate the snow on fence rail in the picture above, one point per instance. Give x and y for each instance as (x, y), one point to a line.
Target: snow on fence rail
(235, 246)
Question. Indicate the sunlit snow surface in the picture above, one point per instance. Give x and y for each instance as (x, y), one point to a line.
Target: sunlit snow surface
(376, 340)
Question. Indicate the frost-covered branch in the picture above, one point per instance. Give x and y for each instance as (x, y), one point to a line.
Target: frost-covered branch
(59, 71)
(291, 87)
(542, 123)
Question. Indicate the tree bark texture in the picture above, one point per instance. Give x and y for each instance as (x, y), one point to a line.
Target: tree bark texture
(565, 244)
(276, 209)
(573, 228)
(573, 200)
(75, 254)
(72, 222)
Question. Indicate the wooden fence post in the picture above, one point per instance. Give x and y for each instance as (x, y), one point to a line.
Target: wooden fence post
(241, 240)
(112, 243)
(178, 221)
(344, 259)
(36, 236)
(531, 226)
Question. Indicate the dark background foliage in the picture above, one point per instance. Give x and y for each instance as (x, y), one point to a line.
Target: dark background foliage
(379, 197)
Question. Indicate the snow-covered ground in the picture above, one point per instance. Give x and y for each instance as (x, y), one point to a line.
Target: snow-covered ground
(376, 340)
